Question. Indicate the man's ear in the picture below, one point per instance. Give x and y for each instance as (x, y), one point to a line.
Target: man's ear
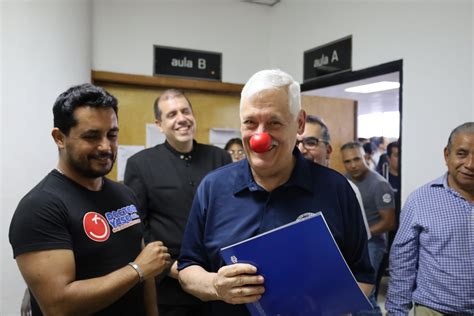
(158, 123)
(58, 137)
(301, 121)
(446, 154)
(329, 151)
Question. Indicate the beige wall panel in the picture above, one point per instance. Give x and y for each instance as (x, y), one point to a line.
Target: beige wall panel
(211, 110)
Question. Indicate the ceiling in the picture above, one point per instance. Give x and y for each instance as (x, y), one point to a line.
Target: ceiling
(383, 101)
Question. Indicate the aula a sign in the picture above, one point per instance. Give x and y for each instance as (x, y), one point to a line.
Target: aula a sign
(327, 59)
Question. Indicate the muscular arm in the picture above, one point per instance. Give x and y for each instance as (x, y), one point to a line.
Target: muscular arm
(50, 275)
(233, 284)
(386, 223)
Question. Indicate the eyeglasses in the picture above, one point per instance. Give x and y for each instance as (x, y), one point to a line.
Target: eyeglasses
(239, 152)
(310, 142)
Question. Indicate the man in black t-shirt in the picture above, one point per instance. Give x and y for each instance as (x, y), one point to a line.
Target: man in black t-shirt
(165, 179)
(76, 236)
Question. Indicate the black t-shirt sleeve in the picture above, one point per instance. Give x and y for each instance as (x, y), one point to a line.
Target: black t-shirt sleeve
(134, 180)
(40, 222)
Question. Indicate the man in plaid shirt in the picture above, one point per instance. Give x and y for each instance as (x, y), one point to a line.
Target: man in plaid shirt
(432, 257)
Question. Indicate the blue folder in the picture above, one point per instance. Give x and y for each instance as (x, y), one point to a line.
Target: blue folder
(304, 271)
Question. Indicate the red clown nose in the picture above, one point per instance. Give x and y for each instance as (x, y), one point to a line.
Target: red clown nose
(261, 142)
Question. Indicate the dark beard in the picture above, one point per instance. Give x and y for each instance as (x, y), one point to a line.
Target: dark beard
(83, 168)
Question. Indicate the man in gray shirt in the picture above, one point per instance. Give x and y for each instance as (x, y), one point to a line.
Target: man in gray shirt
(315, 145)
(379, 204)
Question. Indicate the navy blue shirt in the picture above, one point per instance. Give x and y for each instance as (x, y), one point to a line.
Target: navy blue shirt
(230, 206)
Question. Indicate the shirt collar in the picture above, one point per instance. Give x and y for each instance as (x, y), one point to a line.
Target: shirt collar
(184, 156)
(442, 182)
(299, 176)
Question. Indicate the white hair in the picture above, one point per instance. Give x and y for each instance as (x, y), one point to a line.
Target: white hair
(274, 79)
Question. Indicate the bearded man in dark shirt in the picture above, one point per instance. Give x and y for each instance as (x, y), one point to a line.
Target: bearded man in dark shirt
(76, 236)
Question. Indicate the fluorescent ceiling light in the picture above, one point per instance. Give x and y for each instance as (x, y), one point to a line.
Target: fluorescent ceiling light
(270, 3)
(374, 87)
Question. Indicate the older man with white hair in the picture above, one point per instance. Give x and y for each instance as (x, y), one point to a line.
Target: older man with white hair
(273, 186)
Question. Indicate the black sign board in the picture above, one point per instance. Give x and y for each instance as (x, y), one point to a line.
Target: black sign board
(189, 63)
(328, 59)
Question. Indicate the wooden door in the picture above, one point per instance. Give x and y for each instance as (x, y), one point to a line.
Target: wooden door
(340, 115)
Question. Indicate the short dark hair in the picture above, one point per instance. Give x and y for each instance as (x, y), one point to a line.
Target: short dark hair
(368, 148)
(233, 141)
(351, 145)
(85, 94)
(168, 94)
(313, 119)
(391, 146)
(467, 128)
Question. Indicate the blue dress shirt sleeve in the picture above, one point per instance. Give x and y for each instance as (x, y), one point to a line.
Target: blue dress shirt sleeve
(192, 246)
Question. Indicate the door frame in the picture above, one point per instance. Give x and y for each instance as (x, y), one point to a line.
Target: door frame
(350, 76)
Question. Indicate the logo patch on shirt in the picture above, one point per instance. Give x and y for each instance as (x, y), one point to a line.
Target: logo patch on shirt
(305, 216)
(387, 198)
(96, 227)
(122, 218)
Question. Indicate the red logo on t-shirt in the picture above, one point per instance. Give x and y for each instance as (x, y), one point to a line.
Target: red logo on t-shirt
(96, 227)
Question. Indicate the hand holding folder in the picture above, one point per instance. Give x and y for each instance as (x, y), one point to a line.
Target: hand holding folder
(310, 278)
(238, 284)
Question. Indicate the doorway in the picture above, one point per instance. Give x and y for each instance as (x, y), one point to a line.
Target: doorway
(377, 113)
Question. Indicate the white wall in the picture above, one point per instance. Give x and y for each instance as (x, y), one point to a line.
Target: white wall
(45, 49)
(434, 39)
(2, 231)
(125, 32)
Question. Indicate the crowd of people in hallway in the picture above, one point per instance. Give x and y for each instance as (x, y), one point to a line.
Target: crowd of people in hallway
(85, 244)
